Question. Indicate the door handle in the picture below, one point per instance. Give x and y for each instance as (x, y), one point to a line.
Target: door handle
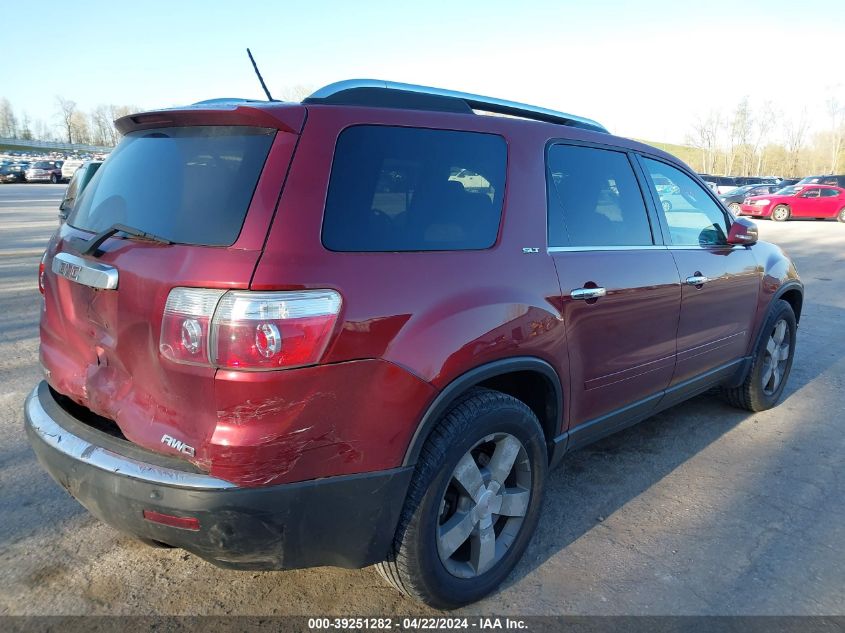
(697, 280)
(588, 293)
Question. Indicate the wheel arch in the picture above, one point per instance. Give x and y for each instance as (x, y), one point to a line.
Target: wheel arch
(793, 293)
(529, 379)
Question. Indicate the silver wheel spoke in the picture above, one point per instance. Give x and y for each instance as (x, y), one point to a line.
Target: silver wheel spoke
(503, 458)
(768, 368)
(783, 352)
(775, 377)
(771, 346)
(780, 332)
(469, 477)
(483, 546)
(514, 504)
(455, 532)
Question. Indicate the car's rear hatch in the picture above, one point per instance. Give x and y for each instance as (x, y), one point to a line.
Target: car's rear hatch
(207, 180)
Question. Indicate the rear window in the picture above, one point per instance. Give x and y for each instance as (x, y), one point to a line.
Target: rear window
(191, 185)
(411, 189)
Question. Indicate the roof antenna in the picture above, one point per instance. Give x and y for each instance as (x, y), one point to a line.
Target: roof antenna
(260, 78)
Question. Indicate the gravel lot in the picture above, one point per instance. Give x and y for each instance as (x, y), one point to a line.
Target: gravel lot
(701, 510)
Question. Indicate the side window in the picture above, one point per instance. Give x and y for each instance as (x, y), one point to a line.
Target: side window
(812, 192)
(594, 199)
(414, 189)
(829, 193)
(692, 216)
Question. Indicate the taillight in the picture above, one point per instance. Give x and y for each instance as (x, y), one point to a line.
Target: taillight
(187, 323)
(41, 273)
(273, 330)
(248, 330)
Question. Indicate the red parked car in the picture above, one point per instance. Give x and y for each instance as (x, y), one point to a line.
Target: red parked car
(798, 201)
(310, 342)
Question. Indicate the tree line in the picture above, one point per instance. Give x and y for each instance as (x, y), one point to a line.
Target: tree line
(748, 141)
(70, 125)
(741, 141)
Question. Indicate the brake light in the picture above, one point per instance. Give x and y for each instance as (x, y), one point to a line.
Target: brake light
(186, 324)
(248, 330)
(273, 330)
(41, 267)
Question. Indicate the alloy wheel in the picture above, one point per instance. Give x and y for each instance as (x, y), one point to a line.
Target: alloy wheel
(484, 505)
(777, 355)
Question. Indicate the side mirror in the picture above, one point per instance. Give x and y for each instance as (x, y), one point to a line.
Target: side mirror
(743, 231)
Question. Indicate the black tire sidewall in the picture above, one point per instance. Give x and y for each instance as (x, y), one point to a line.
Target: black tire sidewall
(448, 589)
(782, 311)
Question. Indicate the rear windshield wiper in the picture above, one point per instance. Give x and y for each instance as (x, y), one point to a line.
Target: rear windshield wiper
(93, 244)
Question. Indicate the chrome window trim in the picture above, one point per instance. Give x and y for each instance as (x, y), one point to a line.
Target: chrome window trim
(576, 249)
(82, 271)
(478, 102)
(670, 247)
(63, 441)
(694, 247)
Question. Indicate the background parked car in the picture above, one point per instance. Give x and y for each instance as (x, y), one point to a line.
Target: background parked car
(70, 166)
(755, 180)
(45, 171)
(724, 183)
(734, 198)
(11, 173)
(786, 182)
(16, 172)
(799, 201)
(665, 186)
(837, 180)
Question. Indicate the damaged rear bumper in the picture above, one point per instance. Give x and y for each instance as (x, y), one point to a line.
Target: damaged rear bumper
(344, 521)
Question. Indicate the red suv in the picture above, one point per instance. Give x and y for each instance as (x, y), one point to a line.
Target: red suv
(360, 329)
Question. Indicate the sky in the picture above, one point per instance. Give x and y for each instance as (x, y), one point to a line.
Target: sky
(646, 69)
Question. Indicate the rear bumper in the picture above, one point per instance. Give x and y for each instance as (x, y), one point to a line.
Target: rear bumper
(345, 521)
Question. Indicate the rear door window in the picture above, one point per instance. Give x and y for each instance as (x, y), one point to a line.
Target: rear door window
(191, 185)
(412, 189)
(594, 199)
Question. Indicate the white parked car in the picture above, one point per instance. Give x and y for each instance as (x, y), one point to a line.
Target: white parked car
(70, 166)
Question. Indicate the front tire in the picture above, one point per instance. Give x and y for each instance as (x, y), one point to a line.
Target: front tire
(841, 215)
(473, 503)
(54, 179)
(735, 208)
(781, 213)
(771, 363)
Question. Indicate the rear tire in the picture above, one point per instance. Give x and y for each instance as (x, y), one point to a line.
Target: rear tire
(54, 179)
(473, 503)
(735, 208)
(841, 215)
(771, 363)
(781, 213)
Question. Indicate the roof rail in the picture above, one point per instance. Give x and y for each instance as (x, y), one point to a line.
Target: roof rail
(334, 93)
